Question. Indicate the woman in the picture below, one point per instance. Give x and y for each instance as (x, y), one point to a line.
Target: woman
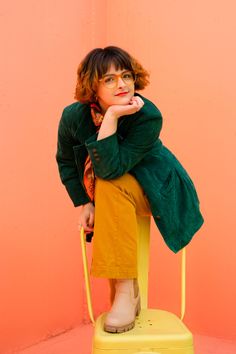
(113, 163)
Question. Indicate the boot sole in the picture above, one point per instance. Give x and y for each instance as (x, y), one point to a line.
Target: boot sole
(121, 329)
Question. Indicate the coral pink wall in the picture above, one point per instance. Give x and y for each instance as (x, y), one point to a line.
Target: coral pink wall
(41, 287)
(189, 48)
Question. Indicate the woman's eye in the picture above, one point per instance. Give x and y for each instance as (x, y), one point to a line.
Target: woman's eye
(109, 79)
(127, 76)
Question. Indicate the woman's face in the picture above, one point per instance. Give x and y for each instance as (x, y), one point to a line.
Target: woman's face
(121, 94)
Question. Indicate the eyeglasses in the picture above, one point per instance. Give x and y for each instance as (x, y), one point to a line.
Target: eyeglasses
(111, 80)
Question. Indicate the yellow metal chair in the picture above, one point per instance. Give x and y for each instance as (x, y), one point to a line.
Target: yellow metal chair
(155, 331)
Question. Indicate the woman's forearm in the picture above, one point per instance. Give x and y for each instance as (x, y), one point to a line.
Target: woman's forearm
(109, 125)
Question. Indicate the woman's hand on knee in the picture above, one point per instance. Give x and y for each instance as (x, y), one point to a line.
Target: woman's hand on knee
(86, 218)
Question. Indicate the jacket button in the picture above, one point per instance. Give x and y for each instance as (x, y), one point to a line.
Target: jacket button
(158, 217)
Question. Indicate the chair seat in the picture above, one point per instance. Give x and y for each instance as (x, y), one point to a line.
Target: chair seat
(155, 331)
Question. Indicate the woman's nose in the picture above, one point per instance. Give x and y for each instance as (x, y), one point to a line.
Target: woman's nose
(120, 82)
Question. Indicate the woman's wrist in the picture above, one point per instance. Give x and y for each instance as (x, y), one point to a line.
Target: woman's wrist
(109, 125)
(111, 114)
(87, 204)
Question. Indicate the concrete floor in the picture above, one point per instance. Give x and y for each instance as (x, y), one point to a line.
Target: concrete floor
(79, 341)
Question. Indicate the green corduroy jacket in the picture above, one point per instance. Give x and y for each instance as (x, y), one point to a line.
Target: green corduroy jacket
(134, 148)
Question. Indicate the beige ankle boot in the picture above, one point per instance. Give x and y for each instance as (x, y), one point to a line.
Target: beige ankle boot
(125, 308)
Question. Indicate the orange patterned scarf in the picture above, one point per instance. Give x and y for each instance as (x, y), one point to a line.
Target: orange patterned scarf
(89, 176)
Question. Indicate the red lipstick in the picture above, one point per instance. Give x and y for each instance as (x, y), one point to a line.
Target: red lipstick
(122, 94)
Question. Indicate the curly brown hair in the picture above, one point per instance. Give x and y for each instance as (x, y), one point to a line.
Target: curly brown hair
(97, 63)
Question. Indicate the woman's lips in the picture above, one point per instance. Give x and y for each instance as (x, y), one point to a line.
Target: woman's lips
(122, 94)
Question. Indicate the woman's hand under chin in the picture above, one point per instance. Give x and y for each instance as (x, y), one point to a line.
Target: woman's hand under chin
(134, 105)
(114, 112)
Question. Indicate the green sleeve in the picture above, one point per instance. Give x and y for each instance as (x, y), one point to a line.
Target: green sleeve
(67, 165)
(112, 157)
